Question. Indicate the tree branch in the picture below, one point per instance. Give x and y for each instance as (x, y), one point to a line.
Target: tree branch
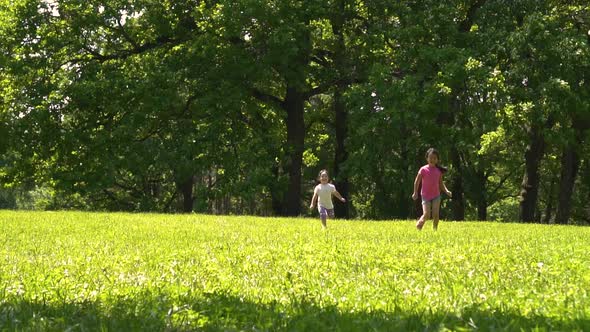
(267, 98)
(160, 41)
(114, 199)
(130, 190)
(125, 35)
(172, 198)
(465, 25)
(322, 88)
(497, 199)
(499, 186)
(320, 60)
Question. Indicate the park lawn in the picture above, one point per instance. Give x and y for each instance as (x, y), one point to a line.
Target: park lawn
(113, 271)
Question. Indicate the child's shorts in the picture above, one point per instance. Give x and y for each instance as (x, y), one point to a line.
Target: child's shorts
(436, 199)
(325, 212)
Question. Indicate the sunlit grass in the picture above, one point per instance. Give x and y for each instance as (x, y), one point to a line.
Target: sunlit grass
(92, 271)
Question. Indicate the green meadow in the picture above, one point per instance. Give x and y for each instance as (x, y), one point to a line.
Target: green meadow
(107, 271)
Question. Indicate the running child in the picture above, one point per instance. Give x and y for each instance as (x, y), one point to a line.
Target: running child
(323, 195)
(431, 178)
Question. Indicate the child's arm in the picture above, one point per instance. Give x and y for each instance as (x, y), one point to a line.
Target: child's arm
(444, 188)
(313, 199)
(416, 185)
(337, 194)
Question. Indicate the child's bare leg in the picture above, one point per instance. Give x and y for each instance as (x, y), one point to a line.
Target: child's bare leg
(425, 215)
(323, 216)
(435, 213)
(330, 214)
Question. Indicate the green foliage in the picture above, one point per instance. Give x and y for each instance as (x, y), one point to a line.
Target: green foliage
(88, 271)
(177, 106)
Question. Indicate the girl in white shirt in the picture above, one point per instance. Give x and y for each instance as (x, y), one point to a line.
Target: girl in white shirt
(323, 195)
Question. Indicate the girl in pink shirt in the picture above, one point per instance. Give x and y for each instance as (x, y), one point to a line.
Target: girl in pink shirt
(431, 178)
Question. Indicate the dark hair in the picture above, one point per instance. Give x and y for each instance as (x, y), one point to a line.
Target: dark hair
(435, 152)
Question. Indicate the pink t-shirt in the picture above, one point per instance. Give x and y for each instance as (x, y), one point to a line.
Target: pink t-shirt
(430, 182)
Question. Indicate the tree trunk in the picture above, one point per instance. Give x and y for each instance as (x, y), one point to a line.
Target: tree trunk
(275, 193)
(341, 114)
(482, 210)
(570, 160)
(458, 200)
(406, 180)
(227, 206)
(294, 105)
(482, 202)
(549, 206)
(341, 154)
(586, 179)
(186, 188)
(530, 182)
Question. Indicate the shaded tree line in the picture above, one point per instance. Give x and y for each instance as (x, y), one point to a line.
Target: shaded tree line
(234, 106)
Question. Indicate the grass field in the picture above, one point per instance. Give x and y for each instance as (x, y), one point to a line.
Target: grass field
(93, 271)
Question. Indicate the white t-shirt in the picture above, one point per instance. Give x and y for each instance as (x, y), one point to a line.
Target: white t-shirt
(324, 192)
